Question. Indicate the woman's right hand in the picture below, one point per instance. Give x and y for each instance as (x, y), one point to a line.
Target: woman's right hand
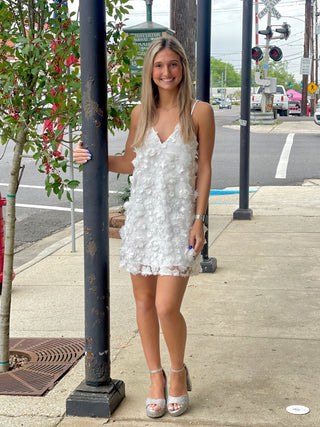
(81, 155)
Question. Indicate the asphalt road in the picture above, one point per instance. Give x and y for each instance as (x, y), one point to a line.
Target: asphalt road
(39, 216)
(265, 153)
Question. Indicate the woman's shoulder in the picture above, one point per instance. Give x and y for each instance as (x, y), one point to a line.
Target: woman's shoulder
(202, 111)
(136, 110)
(135, 113)
(201, 107)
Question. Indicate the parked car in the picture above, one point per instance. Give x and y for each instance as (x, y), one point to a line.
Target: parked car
(280, 101)
(225, 104)
(295, 108)
(215, 101)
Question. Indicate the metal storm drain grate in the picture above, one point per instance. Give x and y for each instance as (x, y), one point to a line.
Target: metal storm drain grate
(48, 360)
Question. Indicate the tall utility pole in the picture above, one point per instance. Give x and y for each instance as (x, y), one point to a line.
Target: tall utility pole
(183, 20)
(312, 106)
(225, 83)
(316, 47)
(307, 36)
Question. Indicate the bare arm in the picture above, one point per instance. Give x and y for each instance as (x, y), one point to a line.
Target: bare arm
(205, 130)
(118, 164)
(123, 164)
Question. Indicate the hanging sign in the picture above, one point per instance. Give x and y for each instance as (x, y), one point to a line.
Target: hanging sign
(305, 66)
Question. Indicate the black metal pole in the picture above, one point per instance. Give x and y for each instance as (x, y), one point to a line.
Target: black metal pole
(98, 395)
(208, 265)
(244, 212)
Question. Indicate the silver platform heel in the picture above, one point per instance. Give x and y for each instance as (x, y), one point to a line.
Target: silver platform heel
(182, 401)
(160, 402)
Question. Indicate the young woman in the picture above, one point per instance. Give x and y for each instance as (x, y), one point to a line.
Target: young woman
(168, 152)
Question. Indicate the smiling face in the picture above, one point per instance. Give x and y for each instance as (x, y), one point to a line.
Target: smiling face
(167, 70)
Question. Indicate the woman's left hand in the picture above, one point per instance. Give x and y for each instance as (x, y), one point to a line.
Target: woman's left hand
(81, 155)
(197, 238)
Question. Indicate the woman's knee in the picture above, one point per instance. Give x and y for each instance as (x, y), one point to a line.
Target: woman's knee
(145, 305)
(167, 309)
(144, 291)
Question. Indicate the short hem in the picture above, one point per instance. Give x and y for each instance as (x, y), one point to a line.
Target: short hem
(166, 272)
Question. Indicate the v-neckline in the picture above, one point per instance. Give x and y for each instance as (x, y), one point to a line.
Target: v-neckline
(163, 142)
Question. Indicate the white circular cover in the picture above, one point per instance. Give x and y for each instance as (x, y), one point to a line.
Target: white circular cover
(298, 409)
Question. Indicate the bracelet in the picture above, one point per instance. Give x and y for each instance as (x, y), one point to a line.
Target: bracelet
(202, 217)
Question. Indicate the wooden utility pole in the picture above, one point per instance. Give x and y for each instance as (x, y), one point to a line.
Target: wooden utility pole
(183, 20)
(307, 35)
(316, 47)
(312, 77)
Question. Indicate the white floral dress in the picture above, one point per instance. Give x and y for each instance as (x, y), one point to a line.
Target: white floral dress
(161, 208)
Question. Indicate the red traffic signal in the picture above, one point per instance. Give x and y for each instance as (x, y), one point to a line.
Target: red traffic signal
(275, 53)
(284, 31)
(256, 53)
(267, 32)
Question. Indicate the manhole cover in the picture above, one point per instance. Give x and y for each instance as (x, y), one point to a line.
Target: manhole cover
(49, 360)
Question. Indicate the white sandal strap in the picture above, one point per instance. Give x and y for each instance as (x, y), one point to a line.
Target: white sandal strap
(159, 402)
(176, 371)
(156, 371)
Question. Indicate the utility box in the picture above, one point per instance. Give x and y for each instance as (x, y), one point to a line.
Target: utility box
(143, 34)
(272, 88)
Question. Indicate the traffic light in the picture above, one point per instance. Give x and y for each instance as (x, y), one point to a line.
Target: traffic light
(275, 53)
(290, 84)
(284, 30)
(267, 32)
(256, 53)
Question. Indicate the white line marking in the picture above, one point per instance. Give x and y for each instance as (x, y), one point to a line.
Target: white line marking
(39, 187)
(51, 208)
(284, 158)
(36, 187)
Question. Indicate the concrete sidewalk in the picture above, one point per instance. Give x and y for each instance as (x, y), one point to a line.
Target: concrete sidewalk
(253, 326)
(299, 126)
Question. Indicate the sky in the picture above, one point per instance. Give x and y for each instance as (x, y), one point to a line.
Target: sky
(226, 28)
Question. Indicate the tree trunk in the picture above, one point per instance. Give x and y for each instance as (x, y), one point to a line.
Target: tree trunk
(183, 21)
(9, 252)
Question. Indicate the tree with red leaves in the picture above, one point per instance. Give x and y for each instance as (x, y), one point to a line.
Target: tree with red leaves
(40, 85)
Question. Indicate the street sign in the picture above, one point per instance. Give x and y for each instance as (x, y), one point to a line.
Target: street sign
(305, 66)
(312, 87)
(269, 7)
(142, 39)
(143, 34)
(270, 3)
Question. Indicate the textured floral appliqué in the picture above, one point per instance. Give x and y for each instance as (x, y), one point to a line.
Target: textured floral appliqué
(160, 211)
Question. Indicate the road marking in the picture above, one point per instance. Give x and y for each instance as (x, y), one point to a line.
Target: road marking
(39, 187)
(36, 187)
(227, 192)
(281, 172)
(51, 208)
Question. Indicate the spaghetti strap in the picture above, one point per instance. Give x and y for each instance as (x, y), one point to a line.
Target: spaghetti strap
(196, 102)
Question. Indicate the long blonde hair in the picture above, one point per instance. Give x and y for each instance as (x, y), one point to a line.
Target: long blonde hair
(150, 92)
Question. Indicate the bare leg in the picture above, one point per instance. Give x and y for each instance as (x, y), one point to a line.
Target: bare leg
(144, 290)
(170, 292)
